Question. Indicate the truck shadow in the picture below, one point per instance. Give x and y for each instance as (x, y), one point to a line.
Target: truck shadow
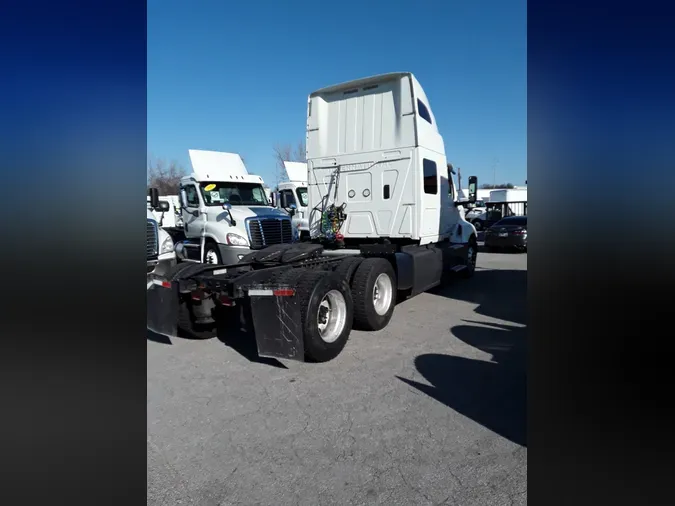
(233, 332)
(236, 332)
(499, 293)
(491, 393)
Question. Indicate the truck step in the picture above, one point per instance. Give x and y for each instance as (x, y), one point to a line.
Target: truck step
(457, 246)
(458, 268)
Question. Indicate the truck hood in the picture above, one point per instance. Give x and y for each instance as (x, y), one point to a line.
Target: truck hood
(240, 213)
(243, 212)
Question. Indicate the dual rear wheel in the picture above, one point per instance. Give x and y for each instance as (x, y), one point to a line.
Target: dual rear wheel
(359, 293)
(330, 306)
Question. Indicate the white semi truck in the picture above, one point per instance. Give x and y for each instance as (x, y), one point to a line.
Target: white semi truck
(159, 246)
(293, 197)
(384, 225)
(226, 211)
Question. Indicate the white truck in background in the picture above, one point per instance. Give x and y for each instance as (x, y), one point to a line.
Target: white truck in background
(171, 220)
(159, 246)
(226, 212)
(511, 196)
(502, 203)
(384, 225)
(475, 211)
(293, 197)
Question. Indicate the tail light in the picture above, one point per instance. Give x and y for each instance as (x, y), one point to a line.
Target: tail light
(226, 301)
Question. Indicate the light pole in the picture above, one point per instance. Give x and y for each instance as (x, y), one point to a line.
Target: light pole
(494, 172)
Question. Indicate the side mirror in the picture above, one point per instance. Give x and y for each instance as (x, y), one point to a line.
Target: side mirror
(163, 206)
(183, 198)
(180, 251)
(291, 209)
(473, 188)
(154, 197)
(228, 207)
(273, 200)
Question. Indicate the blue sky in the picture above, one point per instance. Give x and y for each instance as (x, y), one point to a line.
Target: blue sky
(234, 76)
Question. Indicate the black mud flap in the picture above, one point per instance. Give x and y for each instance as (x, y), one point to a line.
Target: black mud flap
(277, 323)
(162, 307)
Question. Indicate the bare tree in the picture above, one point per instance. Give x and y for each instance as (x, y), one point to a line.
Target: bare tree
(286, 153)
(165, 177)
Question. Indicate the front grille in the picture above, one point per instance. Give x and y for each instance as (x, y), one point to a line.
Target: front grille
(268, 231)
(152, 240)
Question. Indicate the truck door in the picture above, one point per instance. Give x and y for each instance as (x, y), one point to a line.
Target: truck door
(191, 223)
(431, 197)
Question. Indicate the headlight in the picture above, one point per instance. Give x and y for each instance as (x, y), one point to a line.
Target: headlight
(167, 246)
(236, 240)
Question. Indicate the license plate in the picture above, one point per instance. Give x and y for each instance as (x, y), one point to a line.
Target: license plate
(504, 234)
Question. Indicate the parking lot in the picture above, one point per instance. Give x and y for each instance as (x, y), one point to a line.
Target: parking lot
(429, 411)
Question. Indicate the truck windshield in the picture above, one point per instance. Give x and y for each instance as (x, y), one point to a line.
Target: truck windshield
(236, 194)
(302, 196)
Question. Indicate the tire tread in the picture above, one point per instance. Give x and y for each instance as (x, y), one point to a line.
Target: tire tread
(365, 316)
(306, 286)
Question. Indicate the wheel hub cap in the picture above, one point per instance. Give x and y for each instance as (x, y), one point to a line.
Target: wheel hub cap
(332, 316)
(382, 294)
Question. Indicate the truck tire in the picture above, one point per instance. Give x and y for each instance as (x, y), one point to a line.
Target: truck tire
(187, 326)
(374, 293)
(347, 268)
(327, 312)
(471, 257)
(212, 254)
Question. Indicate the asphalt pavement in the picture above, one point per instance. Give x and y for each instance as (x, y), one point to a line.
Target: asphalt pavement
(429, 411)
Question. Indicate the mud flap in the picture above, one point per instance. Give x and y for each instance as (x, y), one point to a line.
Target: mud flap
(162, 307)
(277, 324)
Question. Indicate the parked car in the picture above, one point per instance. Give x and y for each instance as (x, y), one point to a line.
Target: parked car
(508, 232)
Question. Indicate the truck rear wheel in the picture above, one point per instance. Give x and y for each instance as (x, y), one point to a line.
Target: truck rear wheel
(327, 313)
(347, 268)
(188, 328)
(374, 293)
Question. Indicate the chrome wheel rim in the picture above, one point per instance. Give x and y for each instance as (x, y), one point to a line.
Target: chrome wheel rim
(382, 294)
(332, 316)
(211, 257)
